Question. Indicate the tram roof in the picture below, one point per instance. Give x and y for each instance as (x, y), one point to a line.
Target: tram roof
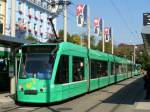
(69, 48)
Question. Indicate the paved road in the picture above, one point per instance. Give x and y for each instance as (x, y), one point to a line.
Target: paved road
(125, 96)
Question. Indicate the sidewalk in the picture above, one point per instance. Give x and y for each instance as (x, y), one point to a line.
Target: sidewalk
(5, 99)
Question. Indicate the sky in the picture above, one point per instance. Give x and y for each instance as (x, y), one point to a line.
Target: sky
(124, 16)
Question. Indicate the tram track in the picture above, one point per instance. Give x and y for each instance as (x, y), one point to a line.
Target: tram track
(109, 99)
(14, 109)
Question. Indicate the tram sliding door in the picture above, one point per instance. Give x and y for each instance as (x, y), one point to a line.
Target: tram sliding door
(78, 84)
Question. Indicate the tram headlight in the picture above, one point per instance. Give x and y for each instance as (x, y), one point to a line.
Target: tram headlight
(41, 90)
(21, 88)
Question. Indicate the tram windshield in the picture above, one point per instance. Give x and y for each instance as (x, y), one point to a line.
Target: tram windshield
(36, 65)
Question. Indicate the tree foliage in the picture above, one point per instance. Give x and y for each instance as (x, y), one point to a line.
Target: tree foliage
(31, 38)
(75, 39)
(124, 50)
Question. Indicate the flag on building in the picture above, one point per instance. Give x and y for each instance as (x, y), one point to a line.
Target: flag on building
(81, 15)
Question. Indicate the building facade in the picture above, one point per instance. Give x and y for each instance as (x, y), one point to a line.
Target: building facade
(31, 20)
(2, 16)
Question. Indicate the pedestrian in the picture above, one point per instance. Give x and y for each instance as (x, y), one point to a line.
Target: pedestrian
(147, 84)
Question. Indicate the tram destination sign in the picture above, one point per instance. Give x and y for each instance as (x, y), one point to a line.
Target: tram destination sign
(39, 49)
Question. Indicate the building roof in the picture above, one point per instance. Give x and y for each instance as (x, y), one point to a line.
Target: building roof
(12, 41)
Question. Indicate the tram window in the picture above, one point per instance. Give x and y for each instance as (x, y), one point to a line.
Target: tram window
(124, 68)
(112, 68)
(118, 68)
(78, 69)
(93, 69)
(101, 68)
(37, 66)
(129, 68)
(3, 66)
(62, 75)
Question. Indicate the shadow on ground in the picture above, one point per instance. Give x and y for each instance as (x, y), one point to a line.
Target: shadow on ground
(129, 94)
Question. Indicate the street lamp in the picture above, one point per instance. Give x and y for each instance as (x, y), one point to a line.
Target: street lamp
(60, 5)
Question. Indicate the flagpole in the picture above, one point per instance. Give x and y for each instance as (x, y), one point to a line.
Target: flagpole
(112, 41)
(88, 25)
(65, 22)
(103, 37)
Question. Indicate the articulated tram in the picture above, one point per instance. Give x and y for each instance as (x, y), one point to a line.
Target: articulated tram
(55, 72)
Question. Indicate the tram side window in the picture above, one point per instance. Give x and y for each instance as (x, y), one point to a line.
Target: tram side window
(62, 75)
(3, 66)
(129, 68)
(101, 68)
(112, 68)
(93, 69)
(124, 68)
(78, 69)
(118, 68)
(134, 68)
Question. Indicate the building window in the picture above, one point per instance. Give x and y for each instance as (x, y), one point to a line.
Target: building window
(62, 75)
(1, 28)
(78, 69)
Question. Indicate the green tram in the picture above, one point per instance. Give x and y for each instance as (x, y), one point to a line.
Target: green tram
(55, 72)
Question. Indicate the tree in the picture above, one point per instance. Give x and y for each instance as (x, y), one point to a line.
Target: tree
(124, 50)
(93, 41)
(31, 38)
(75, 39)
(61, 35)
(108, 47)
(99, 45)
